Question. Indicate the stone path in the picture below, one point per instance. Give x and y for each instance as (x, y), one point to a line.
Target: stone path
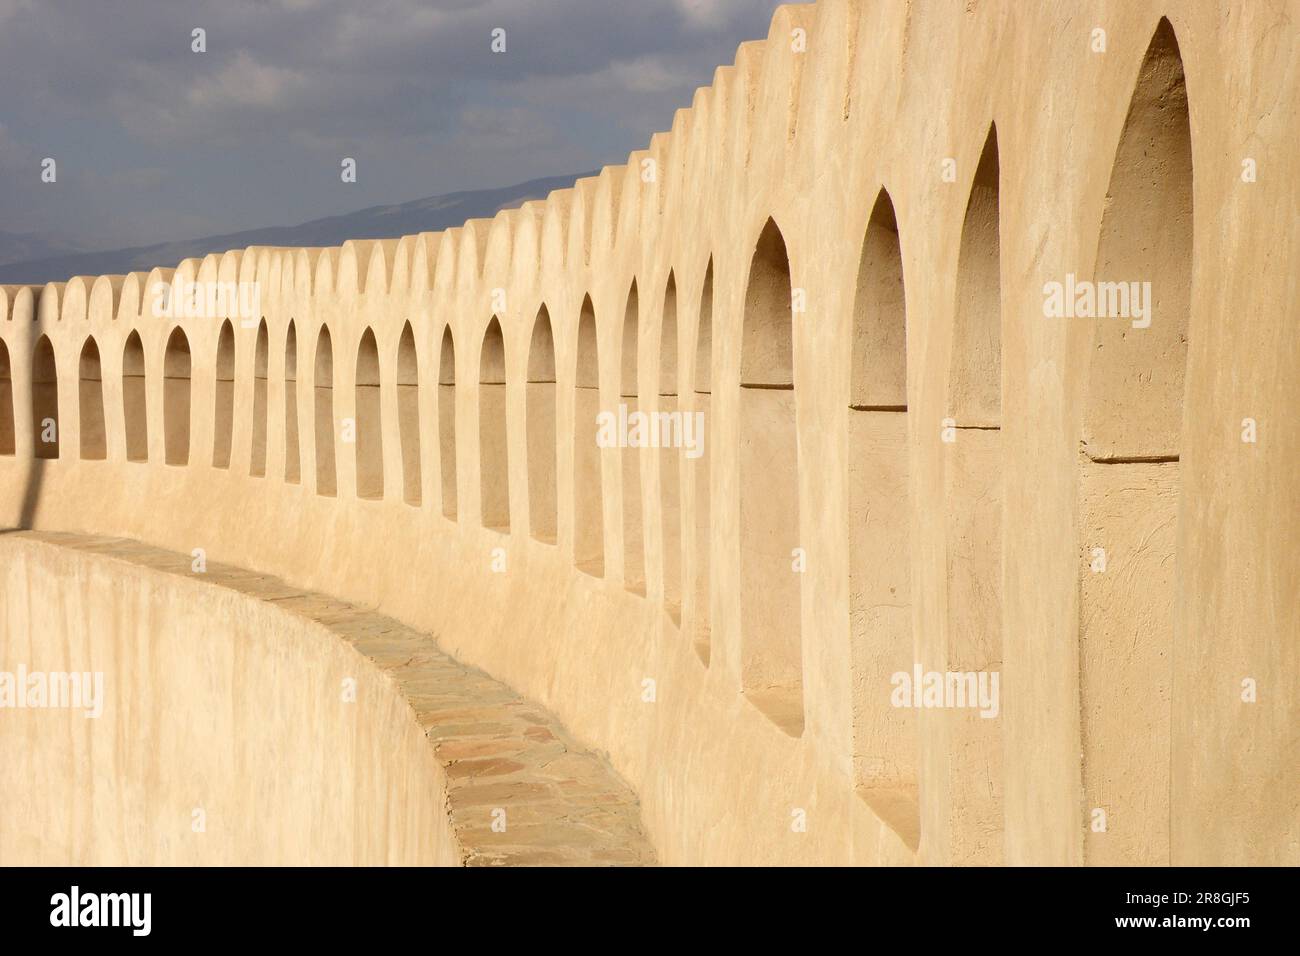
(565, 806)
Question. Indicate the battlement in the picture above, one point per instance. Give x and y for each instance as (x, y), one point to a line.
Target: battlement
(842, 257)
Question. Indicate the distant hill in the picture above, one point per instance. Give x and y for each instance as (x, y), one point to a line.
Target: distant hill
(27, 246)
(378, 222)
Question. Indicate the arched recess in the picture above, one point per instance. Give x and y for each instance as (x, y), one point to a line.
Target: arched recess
(447, 422)
(772, 662)
(292, 445)
(408, 415)
(45, 400)
(588, 492)
(630, 454)
(224, 423)
(90, 395)
(8, 424)
(703, 531)
(326, 475)
(975, 366)
(176, 398)
(257, 460)
(369, 424)
(672, 436)
(879, 372)
(494, 466)
(134, 399)
(1129, 469)
(973, 490)
(885, 748)
(541, 429)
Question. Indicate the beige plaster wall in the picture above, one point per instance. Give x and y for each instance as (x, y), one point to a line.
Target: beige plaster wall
(996, 527)
(224, 737)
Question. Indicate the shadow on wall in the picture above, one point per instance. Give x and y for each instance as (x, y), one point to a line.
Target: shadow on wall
(45, 406)
(31, 494)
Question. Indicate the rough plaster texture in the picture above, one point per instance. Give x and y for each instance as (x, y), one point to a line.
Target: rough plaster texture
(841, 290)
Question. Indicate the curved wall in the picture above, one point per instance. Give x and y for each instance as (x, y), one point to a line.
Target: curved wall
(223, 737)
(998, 130)
(167, 710)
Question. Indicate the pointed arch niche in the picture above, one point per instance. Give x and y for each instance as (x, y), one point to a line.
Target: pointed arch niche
(771, 643)
(540, 412)
(1129, 472)
(885, 752)
(588, 487)
(973, 516)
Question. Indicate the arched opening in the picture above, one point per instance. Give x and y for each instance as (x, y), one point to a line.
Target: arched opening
(408, 415)
(8, 425)
(671, 434)
(493, 463)
(541, 429)
(880, 628)
(257, 461)
(630, 455)
(975, 367)
(45, 400)
(1129, 469)
(326, 480)
(292, 452)
(1137, 365)
(134, 399)
(703, 531)
(973, 491)
(588, 494)
(771, 554)
(447, 422)
(90, 393)
(224, 423)
(879, 376)
(176, 399)
(369, 427)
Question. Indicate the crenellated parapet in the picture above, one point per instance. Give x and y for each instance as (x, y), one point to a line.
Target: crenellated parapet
(893, 258)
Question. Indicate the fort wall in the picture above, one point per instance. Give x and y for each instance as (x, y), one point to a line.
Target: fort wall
(840, 253)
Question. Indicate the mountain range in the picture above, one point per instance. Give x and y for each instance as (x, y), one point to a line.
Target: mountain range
(44, 260)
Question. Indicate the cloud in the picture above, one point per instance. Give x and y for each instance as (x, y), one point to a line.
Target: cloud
(707, 14)
(645, 74)
(244, 83)
(11, 8)
(251, 131)
(16, 156)
(138, 178)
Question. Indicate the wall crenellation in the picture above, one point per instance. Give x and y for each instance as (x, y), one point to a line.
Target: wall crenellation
(839, 263)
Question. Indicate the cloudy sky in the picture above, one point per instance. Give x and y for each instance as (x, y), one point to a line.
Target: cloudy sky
(156, 142)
